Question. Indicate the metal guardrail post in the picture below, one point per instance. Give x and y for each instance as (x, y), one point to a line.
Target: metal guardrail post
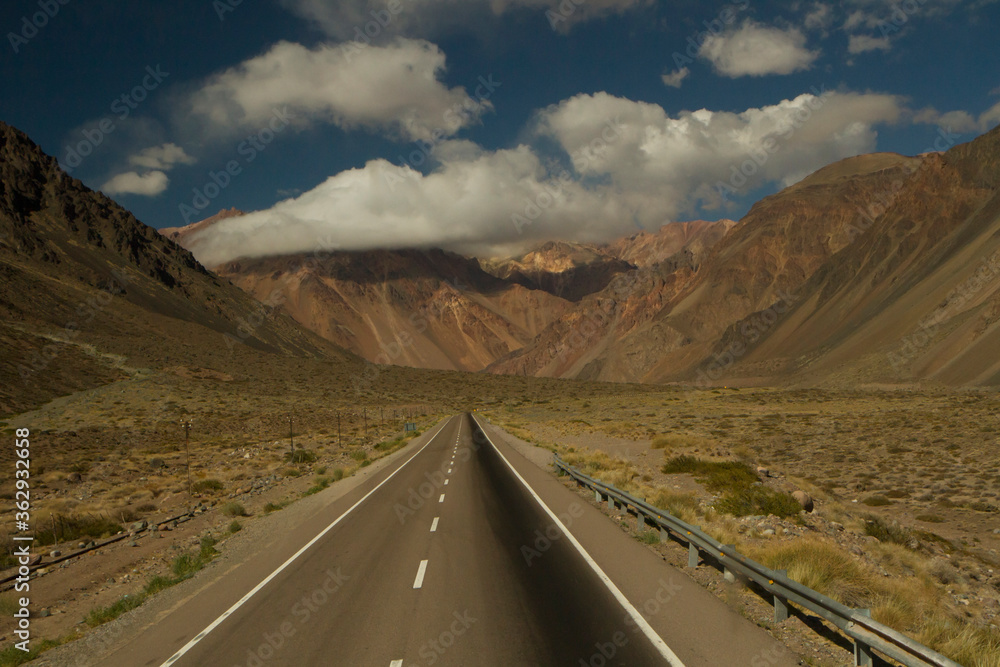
(693, 555)
(780, 603)
(727, 572)
(597, 495)
(664, 535)
(640, 522)
(862, 652)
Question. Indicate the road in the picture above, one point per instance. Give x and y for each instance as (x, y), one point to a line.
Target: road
(449, 557)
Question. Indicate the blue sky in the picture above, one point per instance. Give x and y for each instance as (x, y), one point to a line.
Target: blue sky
(597, 118)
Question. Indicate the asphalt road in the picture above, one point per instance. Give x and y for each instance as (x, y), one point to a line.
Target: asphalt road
(447, 558)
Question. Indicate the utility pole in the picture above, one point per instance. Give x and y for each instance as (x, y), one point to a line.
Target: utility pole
(365, 413)
(186, 423)
(291, 437)
(340, 440)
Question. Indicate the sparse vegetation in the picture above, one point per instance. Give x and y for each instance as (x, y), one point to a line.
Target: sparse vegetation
(274, 507)
(741, 489)
(300, 456)
(70, 528)
(234, 508)
(204, 485)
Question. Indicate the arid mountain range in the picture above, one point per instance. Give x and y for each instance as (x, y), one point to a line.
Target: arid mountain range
(876, 269)
(879, 269)
(435, 309)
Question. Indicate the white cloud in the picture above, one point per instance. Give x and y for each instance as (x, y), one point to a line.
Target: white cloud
(960, 121)
(819, 17)
(675, 78)
(758, 50)
(162, 157)
(864, 43)
(632, 166)
(132, 183)
(990, 118)
(664, 166)
(375, 19)
(467, 203)
(860, 18)
(393, 88)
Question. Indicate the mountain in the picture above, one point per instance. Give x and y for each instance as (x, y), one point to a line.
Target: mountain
(567, 270)
(875, 269)
(435, 309)
(88, 290)
(429, 309)
(646, 249)
(916, 296)
(183, 235)
(879, 268)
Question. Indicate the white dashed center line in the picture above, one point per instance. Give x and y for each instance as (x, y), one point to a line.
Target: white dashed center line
(446, 482)
(441, 499)
(419, 581)
(396, 663)
(434, 524)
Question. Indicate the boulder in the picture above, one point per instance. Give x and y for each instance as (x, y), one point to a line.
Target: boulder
(804, 499)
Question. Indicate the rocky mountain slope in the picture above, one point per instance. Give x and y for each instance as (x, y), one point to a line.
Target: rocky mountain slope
(429, 309)
(439, 310)
(89, 291)
(879, 268)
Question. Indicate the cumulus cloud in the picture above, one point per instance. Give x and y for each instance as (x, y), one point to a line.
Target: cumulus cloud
(758, 50)
(132, 183)
(162, 157)
(378, 20)
(663, 165)
(675, 78)
(619, 165)
(864, 43)
(960, 121)
(819, 17)
(470, 203)
(393, 88)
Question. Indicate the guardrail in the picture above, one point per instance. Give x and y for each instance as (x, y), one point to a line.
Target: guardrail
(868, 634)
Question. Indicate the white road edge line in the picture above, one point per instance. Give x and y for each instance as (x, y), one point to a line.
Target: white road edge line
(641, 622)
(434, 524)
(421, 571)
(201, 635)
